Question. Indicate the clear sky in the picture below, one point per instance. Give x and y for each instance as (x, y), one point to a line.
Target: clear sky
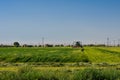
(59, 21)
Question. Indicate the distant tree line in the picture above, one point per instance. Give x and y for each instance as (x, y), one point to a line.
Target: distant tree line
(95, 45)
(17, 44)
(101, 45)
(2, 45)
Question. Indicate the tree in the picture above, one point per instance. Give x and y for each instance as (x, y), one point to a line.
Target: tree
(16, 44)
(78, 44)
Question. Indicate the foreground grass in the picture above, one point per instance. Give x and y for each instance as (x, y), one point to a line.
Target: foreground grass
(60, 63)
(29, 73)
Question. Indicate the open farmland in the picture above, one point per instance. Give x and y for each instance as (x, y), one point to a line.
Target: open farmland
(94, 55)
(65, 63)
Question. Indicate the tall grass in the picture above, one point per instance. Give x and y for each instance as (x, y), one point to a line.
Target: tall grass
(95, 55)
(58, 57)
(42, 55)
(103, 54)
(97, 74)
(28, 73)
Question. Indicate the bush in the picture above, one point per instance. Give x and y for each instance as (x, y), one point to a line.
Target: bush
(28, 73)
(8, 75)
(97, 74)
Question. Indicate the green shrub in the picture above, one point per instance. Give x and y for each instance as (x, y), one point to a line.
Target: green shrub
(8, 75)
(97, 74)
(28, 73)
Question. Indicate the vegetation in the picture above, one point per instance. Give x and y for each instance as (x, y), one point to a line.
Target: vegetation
(55, 63)
(93, 54)
(42, 55)
(16, 44)
(28, 73)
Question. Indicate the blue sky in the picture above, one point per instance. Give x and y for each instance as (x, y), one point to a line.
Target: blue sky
(59, 21)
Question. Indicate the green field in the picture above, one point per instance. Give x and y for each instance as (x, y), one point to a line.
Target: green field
(94, 55)
(55, 63)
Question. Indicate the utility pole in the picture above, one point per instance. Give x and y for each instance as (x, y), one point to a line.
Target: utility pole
(42, 41)
(118, 42)
(107, 41)
(114, 43)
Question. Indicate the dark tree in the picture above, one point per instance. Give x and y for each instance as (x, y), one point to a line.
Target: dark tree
(78, 44)
(16, 44)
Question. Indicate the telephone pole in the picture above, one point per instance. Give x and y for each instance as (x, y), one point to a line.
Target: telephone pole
(108, 41)
(114, 43)
(118, 42)
(42, 41)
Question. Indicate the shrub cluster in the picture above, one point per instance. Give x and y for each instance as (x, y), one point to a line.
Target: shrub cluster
(28, 73)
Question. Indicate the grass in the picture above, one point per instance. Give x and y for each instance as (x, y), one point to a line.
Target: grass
(94, 55)
(95, 63)
(41, 55)
(29, 73)
(97, 55)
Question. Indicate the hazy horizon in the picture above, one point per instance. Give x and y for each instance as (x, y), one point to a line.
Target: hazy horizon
(59, 21)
